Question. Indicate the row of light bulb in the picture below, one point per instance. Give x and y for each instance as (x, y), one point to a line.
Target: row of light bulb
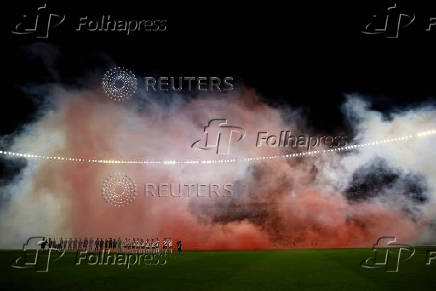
(221, 161)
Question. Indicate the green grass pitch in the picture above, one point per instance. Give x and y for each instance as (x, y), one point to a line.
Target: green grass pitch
(304, 269)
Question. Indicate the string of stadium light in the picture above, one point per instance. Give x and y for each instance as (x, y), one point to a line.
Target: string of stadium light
(221, 161)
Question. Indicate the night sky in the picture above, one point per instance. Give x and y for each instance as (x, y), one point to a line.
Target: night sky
(306, 55)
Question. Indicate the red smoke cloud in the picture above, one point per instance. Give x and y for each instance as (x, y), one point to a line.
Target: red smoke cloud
(279, 204)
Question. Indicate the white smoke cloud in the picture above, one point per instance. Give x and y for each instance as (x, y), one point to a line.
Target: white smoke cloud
(84, 123)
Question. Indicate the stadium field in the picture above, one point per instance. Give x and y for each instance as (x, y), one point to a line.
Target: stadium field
(300, 269)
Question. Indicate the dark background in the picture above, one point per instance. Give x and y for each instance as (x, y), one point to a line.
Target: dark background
(306, 55)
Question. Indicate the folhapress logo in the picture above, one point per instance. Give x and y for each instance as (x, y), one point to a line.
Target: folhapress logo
(389, 23)
(387, 254)
(219, 136)
(39, 24)
(394, 253)
(35, 259)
